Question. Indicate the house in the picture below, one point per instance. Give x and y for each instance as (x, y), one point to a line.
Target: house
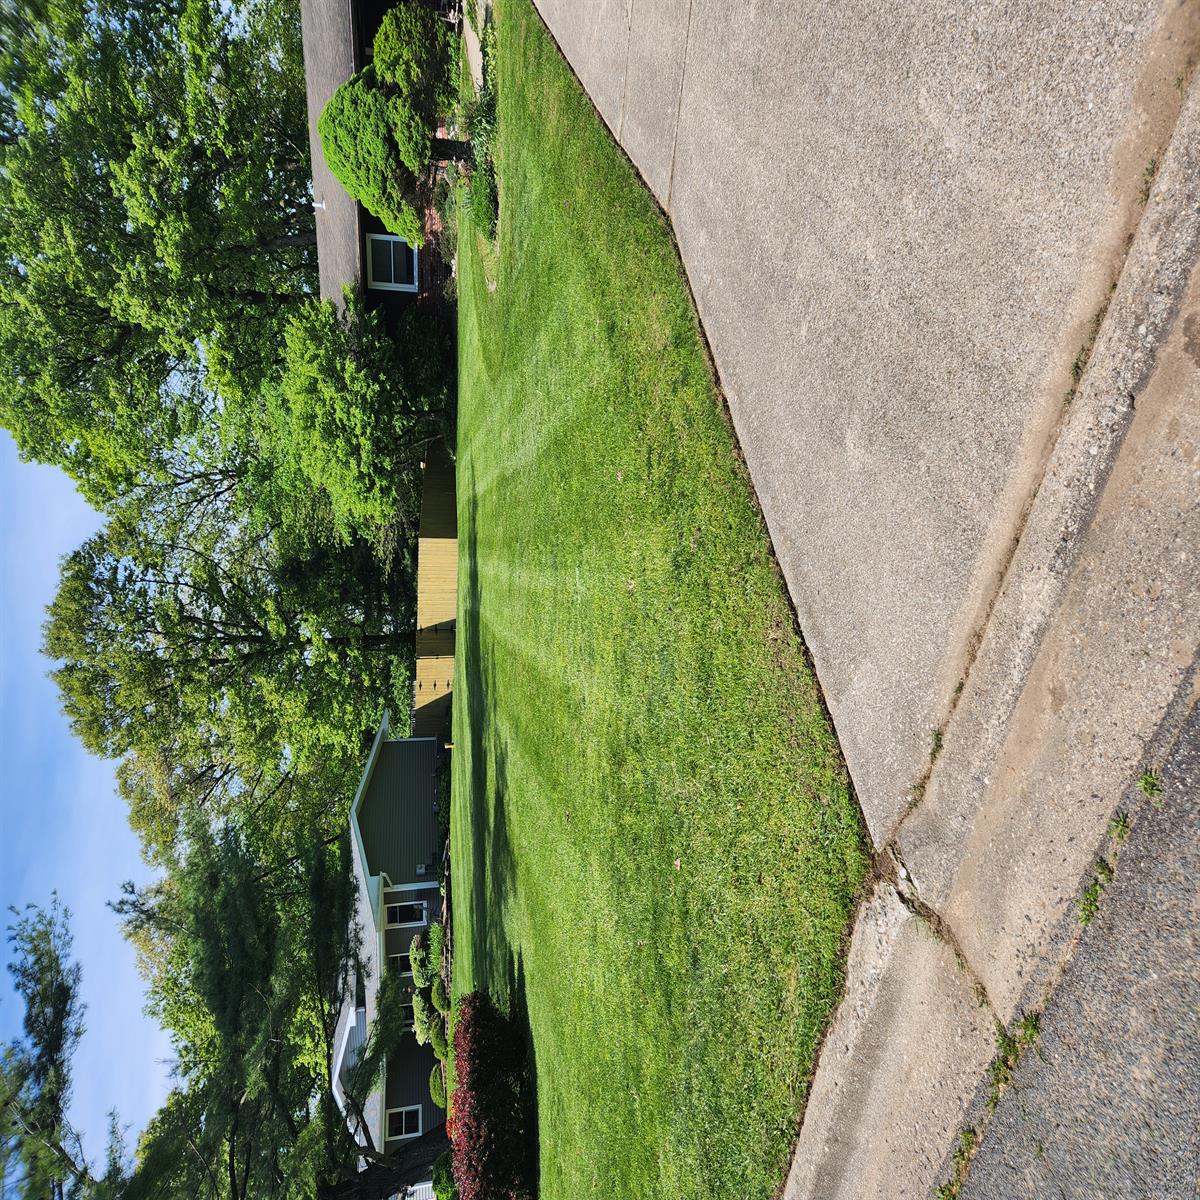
(354, 247)
(395, 843)
(395, 850)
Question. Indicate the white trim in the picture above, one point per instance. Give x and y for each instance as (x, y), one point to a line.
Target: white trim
(407, 904)
(404, 1137)
(374, 888)
(425, 885)
(392, 287)
(380, 736)
(338, 1059)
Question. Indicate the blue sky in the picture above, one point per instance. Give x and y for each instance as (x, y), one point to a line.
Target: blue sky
(62, 825)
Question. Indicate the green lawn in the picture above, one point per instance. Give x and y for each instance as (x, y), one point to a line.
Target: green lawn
(655, 851)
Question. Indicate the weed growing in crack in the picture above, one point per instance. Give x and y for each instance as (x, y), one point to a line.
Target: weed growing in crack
(1118, 828)
(1089, 902)
(1081, 360)
(1148, 178)
(1010, 1045)
(916, 795)
(935, 744)
(968, 1144)
(1150, 785)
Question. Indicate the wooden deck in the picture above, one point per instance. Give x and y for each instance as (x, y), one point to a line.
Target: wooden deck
(437, 597)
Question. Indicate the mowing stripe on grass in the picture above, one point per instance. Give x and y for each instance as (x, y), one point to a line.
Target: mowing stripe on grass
(655, 847)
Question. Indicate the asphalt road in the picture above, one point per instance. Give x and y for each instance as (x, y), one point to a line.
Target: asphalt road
(1106, 1106)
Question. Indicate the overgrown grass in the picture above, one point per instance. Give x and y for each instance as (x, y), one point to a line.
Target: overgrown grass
(655, 847)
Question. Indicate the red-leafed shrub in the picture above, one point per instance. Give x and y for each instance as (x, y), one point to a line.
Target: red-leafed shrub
(494, 1131)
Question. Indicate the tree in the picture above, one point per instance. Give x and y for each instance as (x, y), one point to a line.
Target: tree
(356, 410)
(154, 189)
(239, 662)
(358, 137)
(362, 1171)
(413, 57)
(39, 1149)
(378, 130)
(261, 939)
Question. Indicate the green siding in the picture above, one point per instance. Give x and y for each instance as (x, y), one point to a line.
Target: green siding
(397, 819)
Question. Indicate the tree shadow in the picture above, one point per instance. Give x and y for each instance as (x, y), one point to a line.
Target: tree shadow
(492, 865)
(527, 1119)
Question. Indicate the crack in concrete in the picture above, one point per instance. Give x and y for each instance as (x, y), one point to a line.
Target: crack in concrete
(1150, 134)
(687, 42)
(624, 70)
(889, 865)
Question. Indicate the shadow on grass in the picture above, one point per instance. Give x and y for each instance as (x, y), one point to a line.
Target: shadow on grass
(498, 966)
(527, 1120)
(492, 868)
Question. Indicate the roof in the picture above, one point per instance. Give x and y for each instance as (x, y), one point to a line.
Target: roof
(354, 1022)
(369, 883)
(330, 58)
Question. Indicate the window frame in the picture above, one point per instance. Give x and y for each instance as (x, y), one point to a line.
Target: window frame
(388, 923)
(381, 285)
(388, 1136)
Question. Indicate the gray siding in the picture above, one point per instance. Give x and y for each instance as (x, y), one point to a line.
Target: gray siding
(408, 1083)
(397, 817)
(397, 941)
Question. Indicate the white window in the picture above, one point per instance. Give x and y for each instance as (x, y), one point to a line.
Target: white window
(404, 1122)
(391, 263)
(400, 963)
(412, 912)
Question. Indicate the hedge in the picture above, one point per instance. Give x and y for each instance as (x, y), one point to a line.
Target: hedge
(494, 1132)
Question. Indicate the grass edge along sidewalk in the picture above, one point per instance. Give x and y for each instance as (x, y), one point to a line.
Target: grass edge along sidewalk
(655, 846)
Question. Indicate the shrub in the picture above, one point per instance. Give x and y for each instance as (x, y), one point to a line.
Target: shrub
(445, 200)
(425, 955)
(437, 1086)
(360, 129)
(443, 1179)
(440, 996)
(437, 948)
(437, 1038)
(354, 409)
(426, 1019)
(413, 60)
(418, 961)
(493, 1120)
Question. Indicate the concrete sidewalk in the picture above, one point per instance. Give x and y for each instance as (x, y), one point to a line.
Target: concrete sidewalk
(899, 222)
(905, 227)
